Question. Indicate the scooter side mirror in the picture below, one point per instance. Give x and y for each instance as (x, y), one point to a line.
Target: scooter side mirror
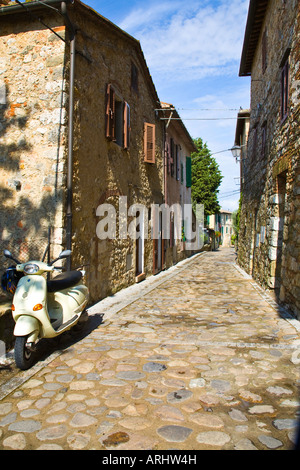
(65, 254)
(8, 255)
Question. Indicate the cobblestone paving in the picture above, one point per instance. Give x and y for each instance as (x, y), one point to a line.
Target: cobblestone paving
(202, 360)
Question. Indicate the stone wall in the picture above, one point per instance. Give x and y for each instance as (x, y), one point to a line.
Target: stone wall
(176, 190)
(103, 169)
(32, 136)
(269, 243)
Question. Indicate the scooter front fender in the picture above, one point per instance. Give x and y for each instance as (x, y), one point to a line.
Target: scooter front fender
(27, 325)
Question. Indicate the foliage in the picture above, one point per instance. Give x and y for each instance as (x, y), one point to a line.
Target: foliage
(236, 216)
(206, 179)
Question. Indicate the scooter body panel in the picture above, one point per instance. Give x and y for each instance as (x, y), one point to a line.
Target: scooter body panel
(58, 308)
(65, 304)
(31, 290)
(27, 326)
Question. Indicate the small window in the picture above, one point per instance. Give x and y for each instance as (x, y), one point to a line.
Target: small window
(285, 90)
(134, 77)
(110, 113)
(264, 52)
(117, 122)
(149, 142)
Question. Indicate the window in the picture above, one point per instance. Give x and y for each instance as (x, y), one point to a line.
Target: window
(134, 77)
(117, 122)
(264, 52)
(284, 89)
(149, 142)
(188, 172)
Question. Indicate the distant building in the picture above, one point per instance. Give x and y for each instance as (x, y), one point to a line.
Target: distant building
(222, 223)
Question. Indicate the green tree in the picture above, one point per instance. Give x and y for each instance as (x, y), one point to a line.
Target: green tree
(206, 178)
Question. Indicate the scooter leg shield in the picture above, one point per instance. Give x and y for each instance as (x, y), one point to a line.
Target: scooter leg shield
(27, 325)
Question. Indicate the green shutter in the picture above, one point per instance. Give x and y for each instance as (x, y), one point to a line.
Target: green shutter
(188, 172)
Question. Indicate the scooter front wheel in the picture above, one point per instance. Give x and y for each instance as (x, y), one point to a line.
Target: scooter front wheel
(24, 357)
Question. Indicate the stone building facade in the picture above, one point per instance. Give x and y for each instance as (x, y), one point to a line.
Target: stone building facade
(116, 140)
(269, 238)
(178, 148)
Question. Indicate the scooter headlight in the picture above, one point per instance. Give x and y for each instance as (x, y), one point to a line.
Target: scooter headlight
(31, 268)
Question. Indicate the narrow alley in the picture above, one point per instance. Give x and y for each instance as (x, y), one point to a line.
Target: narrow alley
(196, 358)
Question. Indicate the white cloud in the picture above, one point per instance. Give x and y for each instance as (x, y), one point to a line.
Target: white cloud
(193, 51)
(190, 40)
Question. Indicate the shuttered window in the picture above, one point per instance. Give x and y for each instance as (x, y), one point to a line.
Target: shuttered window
(188, 172)
(117, 118)
(126, 126)
(110, 113)
(149, 142)
(285, 90)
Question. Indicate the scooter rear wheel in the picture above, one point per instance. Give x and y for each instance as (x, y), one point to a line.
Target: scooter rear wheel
(24, 357)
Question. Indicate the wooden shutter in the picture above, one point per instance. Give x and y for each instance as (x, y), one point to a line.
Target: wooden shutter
(149, 142)
(110, 113)
(126, 130)
(188, 172)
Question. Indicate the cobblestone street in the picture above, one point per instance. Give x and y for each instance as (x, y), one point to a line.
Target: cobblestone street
(198, 357)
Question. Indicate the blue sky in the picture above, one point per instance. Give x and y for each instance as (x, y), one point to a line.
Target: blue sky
(193, 51)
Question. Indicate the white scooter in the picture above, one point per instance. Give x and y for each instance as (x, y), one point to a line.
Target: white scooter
(44, 309)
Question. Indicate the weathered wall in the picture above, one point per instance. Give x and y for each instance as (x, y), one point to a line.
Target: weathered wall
(269, 243)
(176, 190)
(32, 135)
(103, 170)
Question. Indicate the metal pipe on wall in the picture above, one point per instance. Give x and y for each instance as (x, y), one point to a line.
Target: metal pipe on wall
(71, 32)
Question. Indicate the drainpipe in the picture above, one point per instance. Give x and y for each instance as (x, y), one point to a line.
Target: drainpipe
(71, 32)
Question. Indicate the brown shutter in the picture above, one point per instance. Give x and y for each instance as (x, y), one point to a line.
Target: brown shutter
(126, 130)
(110, 113)
(149, 142)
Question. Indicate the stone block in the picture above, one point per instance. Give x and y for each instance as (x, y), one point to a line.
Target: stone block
(274, 223)
(272, 253)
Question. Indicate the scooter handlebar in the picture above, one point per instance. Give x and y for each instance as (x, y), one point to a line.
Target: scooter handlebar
(40, 267)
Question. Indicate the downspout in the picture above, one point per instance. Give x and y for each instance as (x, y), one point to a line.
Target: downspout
(71, 32)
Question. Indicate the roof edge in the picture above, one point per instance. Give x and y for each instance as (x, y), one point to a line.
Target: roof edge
(252, 19)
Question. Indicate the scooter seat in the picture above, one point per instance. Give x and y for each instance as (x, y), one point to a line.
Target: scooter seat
(64, 281)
